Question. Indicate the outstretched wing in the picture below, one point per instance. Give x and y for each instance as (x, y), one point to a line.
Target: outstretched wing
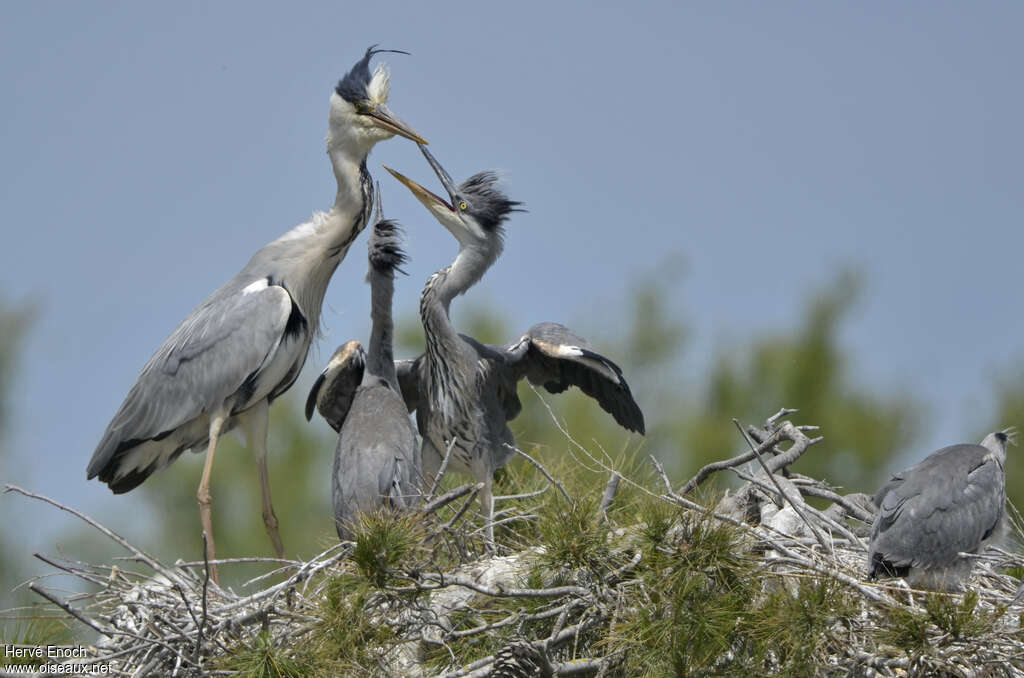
(553, 356)
(334, 389)
(217, 353)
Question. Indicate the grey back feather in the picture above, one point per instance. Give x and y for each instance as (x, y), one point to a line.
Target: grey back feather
(951, 502)
(376, 463)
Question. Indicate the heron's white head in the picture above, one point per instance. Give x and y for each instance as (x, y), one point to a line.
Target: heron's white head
(997, 441)
(476, 209)
(359, 116)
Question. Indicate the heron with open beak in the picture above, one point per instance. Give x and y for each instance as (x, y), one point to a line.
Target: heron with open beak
(244, 346)
(463, 391)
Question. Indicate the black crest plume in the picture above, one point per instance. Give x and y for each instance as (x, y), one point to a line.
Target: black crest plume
(352, 88)
(386, 253)
(490, 206)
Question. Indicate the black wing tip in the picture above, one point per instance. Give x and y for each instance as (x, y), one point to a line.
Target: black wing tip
(639, 426)
(312, 397)
(106, 462)
(126, 483)
(881, 567)
(633, 417)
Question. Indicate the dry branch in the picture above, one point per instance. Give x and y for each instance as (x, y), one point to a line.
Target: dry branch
(172, 620)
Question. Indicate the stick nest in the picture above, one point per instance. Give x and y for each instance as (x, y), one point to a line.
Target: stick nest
(633, 579)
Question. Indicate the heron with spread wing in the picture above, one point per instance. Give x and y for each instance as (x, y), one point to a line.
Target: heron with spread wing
(464, 391)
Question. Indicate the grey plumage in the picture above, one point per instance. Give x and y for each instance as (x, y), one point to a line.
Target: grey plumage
(245, 345)
(336, 385)
(377, 461)
(234, 350)
(952, 502)
(465, 390)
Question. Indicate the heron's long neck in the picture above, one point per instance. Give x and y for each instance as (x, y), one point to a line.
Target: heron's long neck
(996, 444)
(308, 255)
(380, 361)
(467, 269)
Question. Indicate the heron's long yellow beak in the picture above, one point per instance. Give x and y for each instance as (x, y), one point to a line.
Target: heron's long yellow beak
(385, 119)
(430, 200)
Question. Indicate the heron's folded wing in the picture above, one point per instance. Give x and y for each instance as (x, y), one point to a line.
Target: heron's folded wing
(552, 355)
(216, 351)
(408, 372)
(334, 389)
(947, 504)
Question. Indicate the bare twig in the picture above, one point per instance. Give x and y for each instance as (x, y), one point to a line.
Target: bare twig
(436, 481)
(782, 494)
(543, 470)
(449, 497)
(475, 489)
(138, 554)
(95, 626)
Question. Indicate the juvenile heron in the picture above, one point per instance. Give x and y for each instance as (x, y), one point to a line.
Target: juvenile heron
(952, 502)
(376, 462)
(244, 346)
(464, 392)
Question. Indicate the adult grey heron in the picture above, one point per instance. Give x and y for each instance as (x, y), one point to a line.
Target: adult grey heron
(245, 345)
(952, 502)
(464, 392)
(377, 460)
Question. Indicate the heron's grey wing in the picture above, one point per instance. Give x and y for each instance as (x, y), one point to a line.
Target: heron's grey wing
(215, 353)
(947, 504)
(894, 482)
(409, 379)
(335, 387)
(376, 457)
(552, 355)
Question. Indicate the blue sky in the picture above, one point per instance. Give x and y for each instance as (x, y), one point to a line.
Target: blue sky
(149, 149)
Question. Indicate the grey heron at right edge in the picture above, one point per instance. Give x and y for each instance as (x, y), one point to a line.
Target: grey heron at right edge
(953, 502)
(464, 392)
(246, 344)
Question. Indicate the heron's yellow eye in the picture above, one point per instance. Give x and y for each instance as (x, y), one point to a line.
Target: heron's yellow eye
(462, 205)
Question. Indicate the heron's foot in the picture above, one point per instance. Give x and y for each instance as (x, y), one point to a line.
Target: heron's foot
(270, 520)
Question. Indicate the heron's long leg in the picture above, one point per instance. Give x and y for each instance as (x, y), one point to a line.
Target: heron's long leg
(255, 426)
(487, 502)
(203, 493)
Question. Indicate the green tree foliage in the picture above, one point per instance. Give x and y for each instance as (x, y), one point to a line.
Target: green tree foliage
(807, 369)
(14, 324)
